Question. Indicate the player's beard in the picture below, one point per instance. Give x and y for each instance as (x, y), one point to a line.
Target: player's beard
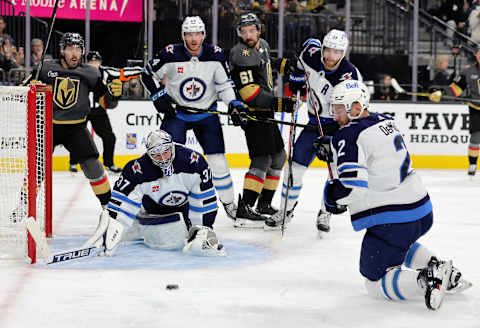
(252, 43)
(71, 63)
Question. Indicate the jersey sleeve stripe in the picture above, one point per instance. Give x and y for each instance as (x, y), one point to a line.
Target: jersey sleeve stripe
(125, 199)
(355, 183)
(345, 167)
(249, 92)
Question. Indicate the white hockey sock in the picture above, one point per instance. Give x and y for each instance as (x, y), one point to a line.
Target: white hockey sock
(298, 171)
(396, 284)
(222, 179)
(417, 256)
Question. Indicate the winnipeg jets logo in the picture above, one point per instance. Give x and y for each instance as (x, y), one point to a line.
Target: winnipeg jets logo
(346, 76)
(169, 48)
(173, 198)
(217, 49)
(137, 168)
(313, 50)
(194, 158)
(192, 89)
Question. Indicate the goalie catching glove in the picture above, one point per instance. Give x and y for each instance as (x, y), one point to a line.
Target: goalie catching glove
(107, 236)
(115, 87)
(202, 241)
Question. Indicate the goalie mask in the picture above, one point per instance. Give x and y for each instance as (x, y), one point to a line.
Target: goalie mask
(161, 150)
(248, 20)
(348, 92)
(72, 39)
(337, 40)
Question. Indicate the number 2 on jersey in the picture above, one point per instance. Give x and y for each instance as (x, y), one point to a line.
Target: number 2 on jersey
(399, 146)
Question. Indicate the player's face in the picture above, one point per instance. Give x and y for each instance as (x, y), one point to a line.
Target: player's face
(477, 55)
(72, 56)
(193, 41)
(250, 35)
(331, 57)
(340, 114)
(163, 156)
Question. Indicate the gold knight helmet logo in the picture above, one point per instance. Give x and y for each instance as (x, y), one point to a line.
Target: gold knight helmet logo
(66, 92)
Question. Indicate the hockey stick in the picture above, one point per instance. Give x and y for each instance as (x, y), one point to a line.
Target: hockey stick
(317, 116)
(251, 118)
(396, 86)
(291, 142)
(44, 250)
(54, 16)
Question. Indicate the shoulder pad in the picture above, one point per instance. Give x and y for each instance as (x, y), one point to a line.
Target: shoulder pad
(242, 55)
(211, 52)
(188, 160)
(347, 71)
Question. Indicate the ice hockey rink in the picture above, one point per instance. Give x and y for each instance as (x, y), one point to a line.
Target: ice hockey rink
(299, 280)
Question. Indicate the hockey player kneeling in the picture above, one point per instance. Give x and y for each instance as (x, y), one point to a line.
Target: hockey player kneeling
(165, 198)
(386, 198)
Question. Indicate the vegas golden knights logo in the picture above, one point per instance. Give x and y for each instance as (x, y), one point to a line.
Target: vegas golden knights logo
(66, 92)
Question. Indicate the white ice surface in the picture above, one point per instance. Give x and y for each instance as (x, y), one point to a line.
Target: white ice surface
(297, 281)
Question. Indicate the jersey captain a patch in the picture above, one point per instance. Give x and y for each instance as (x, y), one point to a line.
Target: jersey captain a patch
(192, 89)
(66, 92)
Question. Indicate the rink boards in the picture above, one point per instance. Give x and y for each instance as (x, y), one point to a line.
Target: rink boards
(436, 134)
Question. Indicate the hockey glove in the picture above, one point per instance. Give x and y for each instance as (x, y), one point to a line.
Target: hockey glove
(164, 104)
(297, 81)
(238, 112)
(108, 234)
(115, 87)
(333, 187)
(322, 148)
(286, 105)
(435, 96)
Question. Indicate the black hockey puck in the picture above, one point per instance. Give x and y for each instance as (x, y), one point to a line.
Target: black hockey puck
(171, 286)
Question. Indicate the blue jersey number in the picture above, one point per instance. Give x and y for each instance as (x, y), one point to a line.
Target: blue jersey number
(399, 146)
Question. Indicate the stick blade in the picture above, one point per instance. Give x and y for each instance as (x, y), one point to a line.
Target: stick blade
(39, 237)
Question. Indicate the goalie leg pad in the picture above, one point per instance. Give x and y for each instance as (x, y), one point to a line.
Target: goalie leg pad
(202, 241)
(167, 233)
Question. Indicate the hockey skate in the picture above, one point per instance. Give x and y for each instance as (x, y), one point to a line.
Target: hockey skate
(456, 283)
(230, 210)
(114, 169)
(265, 208)
(472, 169)
(275, 221)
(435, 278)
(247, 217)
(323, 221)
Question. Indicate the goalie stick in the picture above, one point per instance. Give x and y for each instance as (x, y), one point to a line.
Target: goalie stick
(44, 250)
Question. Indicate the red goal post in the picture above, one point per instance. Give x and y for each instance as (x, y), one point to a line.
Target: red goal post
(25, 167)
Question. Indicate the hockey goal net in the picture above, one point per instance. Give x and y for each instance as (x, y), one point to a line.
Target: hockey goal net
(25, 167)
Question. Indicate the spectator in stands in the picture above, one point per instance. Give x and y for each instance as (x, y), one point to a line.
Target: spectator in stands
(442, 77)
(3, 35)
(37, 50)
(8, 53)
(386, 91)
(474, 22)
(453, 12)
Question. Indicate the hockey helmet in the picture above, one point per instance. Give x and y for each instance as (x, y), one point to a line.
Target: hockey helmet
(348, 92)
(193, 24)
(247, 20)
(72, 39)
(160, 142)
(336, 39)
(94, 56)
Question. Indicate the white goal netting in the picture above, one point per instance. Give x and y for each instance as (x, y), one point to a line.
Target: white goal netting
(25, 155)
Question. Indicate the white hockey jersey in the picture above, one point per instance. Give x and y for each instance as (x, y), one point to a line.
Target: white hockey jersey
(374, 165)
(194, 82)
(322, 81)
(188, 190)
